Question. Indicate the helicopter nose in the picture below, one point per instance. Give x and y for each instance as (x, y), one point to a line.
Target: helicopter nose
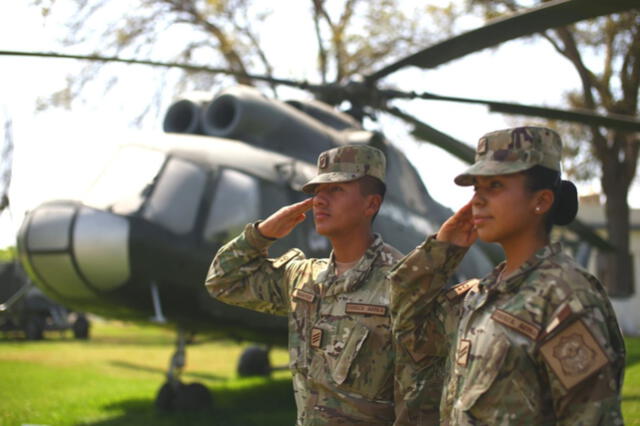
(75, 251)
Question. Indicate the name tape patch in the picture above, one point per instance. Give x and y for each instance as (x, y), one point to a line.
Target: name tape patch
(303, 295)
(513, 322)
(361, 308)
(574, 354)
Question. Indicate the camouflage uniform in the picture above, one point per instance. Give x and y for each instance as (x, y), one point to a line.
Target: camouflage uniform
(340, 342)
(541, 347)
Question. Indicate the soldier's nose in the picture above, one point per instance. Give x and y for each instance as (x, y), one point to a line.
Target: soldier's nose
(319, 199)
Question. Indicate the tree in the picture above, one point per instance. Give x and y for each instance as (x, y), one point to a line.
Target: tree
(353, 36)
(605, 53)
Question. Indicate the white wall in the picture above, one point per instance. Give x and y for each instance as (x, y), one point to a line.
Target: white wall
(627, 309)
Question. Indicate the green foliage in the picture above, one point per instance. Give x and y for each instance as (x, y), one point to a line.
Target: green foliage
(7, 254)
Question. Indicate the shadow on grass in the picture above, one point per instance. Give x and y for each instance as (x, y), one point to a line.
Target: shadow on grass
(246, 402)
(162, 372)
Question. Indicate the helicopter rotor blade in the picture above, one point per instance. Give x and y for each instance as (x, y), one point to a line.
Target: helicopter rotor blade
(434, 136)
(551, 14)
(584, 116)
(187, 67)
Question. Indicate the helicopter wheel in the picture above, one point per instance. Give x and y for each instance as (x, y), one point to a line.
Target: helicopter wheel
(183, 397)
(34, 327)
(254, 361)
(81, 327)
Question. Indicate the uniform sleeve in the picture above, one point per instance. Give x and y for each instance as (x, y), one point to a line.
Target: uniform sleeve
(583, 354)
(242, 275)
(418, 324)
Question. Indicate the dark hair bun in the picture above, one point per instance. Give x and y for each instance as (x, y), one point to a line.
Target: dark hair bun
(567, 207)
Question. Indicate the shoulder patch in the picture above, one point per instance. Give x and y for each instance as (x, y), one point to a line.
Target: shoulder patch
(513, 322)
(461, 288)
(285, 258)
(361, 308)
(574, 354)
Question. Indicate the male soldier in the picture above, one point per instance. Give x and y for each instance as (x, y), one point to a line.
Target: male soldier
(340, 345)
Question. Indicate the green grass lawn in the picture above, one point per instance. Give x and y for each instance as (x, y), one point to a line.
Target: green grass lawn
(112, 379)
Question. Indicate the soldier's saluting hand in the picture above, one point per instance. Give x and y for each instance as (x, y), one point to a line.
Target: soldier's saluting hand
(282, 222)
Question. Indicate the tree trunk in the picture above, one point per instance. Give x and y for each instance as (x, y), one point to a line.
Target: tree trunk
(618, 278)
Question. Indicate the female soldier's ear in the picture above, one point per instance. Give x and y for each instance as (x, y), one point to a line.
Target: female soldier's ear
(543, 201)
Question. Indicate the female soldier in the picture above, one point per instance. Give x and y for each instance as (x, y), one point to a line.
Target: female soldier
(534, 342)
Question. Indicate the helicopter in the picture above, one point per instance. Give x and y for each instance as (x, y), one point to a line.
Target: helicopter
(140, 244)
(138, 247)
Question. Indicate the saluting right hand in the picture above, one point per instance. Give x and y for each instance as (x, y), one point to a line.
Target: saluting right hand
(459, 228)
(284, 220)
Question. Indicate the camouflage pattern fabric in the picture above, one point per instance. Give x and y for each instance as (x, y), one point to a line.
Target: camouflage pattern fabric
(541, 347)
(348, 163)
(341, 349)
(513, 150)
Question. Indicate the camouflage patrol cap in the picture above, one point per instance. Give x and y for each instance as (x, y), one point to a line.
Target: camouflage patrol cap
(513, 150)
(348, 163)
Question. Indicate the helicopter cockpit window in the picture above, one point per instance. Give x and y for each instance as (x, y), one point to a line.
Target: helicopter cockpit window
(236, 202)
(121, 188)
(176, 196)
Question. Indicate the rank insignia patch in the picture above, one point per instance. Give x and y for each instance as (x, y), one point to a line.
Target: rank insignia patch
(323, 161)
(462, 288)
(462, 355)
(482, 146)
(574, 354)
(316, 337)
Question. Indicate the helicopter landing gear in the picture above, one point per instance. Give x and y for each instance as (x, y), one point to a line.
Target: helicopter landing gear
(174, 395)
(81, 327)
(254, 361)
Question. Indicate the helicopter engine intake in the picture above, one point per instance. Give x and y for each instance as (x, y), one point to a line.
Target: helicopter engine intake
(243, 113)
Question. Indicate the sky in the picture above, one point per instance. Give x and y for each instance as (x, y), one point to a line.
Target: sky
(58, 152)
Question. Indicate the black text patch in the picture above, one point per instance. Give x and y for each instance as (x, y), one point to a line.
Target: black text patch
(361, 308)
(303, 295)
(515, 323)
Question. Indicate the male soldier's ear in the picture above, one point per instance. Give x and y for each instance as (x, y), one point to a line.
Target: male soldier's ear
(374, 201)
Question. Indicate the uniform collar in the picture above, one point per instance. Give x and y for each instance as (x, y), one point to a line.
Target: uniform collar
(516, 278)
(354, 277)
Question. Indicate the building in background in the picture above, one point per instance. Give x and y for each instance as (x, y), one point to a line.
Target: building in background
(627, 309)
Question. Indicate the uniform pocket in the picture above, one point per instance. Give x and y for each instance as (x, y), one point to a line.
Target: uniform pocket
(482, 373)
(342, 364)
